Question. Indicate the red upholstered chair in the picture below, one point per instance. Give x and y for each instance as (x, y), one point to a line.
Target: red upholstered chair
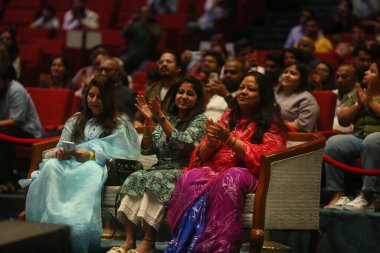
(139, 81)
(29, 35)
(19, 17)
(24, 4)
(30, 55)
(113, 40)
(53, 106)
(331, 57)
(327, 102)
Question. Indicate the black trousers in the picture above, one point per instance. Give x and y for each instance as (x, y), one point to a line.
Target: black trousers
(8, 151)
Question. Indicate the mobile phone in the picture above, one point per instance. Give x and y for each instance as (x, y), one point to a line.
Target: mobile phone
(68, 146)
(213, 76)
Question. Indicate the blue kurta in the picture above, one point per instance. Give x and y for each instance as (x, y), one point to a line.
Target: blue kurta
(69, 192)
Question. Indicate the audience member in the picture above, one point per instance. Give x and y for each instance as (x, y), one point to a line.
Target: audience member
(18, 118)
(322, 77)
(223, 91)
(214, 10)
(163, 6)
(297, 31)
(299, 109)
(365, 8)
(292, 55)
(8, 37)
(113, 68)
(307, 47)
(79, 17)
(313, 31)
(274, 63)
(4, 56)
(170, 69)
(246, 53)
(345, 79)
(47, 19)
(363, 111)
(85, 74)
(345, 48)
(146, 192)
(67, 187)
(361, 61)
(342, 19)
(209, 196)
(59, 76)
(143, 34)
(211, 66)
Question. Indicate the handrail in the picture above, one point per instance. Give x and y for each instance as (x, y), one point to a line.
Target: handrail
(352, 169)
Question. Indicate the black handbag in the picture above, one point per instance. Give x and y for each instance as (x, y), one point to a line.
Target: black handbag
(120, 169)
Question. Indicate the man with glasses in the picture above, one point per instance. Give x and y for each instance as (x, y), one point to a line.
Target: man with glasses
(113, 68)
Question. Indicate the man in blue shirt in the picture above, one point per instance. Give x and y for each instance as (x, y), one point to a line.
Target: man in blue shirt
(18, 118)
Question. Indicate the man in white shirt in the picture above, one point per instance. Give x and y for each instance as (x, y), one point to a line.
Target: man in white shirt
(79, 17)
(345, 78)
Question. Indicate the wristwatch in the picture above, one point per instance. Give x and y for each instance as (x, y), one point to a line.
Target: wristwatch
(159, 120)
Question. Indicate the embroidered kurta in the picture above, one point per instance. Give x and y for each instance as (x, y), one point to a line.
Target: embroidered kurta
(173, 155)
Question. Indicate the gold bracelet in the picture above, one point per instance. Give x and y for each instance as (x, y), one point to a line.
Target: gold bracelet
(92, 155)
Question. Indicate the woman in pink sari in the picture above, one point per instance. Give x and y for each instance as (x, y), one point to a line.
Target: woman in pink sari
(206, 207)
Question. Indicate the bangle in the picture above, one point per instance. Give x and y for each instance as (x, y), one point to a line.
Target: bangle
(147, 136)
(210, 147)
(232, 143)
(92, 155)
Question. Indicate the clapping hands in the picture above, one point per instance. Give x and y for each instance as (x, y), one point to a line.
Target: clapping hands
(217, 132)
(150, 109)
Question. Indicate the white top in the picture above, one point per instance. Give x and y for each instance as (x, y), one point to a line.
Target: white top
(90, 21)
(216, 107)
(339, 105)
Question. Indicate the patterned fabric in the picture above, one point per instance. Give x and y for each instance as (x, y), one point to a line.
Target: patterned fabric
(226, 187)
(173, 155)
(69, 192)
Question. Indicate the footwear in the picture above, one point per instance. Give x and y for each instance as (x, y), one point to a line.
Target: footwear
(359, 204)
(340, 203)
(117, 250)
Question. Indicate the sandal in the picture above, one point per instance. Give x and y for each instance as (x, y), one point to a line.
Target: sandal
(117, 250)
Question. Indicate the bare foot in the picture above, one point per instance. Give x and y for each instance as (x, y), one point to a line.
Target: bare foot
(335, 198)
(146, 246)
(127, 245)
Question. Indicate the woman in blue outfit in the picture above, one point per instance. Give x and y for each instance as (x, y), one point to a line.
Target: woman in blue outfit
(67, 188)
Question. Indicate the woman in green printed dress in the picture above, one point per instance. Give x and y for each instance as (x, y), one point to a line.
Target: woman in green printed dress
(146, 193)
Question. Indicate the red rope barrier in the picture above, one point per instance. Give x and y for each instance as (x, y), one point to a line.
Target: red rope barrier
(352, 169)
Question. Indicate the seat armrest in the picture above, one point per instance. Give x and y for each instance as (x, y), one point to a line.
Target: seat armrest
(37, 149)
